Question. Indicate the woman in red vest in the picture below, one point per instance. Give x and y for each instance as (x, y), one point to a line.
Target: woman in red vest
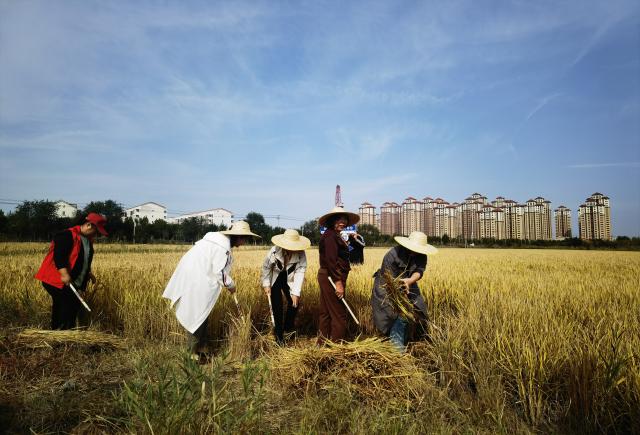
(69, 261)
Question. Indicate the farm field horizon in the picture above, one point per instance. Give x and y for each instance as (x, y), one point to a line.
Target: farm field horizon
(521, 340)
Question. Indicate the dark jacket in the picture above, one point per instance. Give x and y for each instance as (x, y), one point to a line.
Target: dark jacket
(334, 255)
(356, 242)
(397, 261)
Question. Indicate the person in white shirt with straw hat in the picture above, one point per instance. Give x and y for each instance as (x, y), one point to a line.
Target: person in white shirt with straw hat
(201, 274)
(408, 262)
(283, 273)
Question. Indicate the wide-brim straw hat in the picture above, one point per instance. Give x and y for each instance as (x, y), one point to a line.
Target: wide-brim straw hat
(352, 217)
(291, 241)
(239, 228)
(417, 242)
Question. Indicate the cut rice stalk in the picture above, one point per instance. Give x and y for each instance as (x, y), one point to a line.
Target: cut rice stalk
(45, 338)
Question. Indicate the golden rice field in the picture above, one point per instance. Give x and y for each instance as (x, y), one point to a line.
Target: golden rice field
(521, 340)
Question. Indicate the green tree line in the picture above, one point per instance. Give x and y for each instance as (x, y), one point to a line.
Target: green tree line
(37, 221)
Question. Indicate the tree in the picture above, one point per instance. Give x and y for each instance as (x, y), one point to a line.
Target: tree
(162, 230)
(258, 225)
(4, 223)
(191, 229)
(369, 232)
(311, 230)
(272, 232)
(116, 226)
(142, 230)
(34, 220)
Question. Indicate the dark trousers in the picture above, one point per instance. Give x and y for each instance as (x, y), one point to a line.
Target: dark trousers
(200, 337)
(65, 308)
(279, 289)
(333, 314)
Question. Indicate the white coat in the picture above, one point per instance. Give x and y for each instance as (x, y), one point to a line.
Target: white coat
(198, 279)
(274, 263)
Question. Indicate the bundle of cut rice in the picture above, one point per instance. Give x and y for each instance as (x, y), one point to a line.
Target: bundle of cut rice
(371, 369)
(47, 338)
(239, 337)
(397, 296)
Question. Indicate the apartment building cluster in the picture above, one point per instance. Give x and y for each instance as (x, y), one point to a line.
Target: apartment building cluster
(477, 218)
(154, 211)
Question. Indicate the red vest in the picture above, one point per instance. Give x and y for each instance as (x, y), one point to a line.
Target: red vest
(48, 272)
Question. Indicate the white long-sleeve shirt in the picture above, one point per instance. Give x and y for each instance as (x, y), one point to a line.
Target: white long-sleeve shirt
(196, 283)
(274, 264)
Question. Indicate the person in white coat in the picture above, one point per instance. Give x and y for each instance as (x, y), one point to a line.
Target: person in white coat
(283, 272)
(199, 278)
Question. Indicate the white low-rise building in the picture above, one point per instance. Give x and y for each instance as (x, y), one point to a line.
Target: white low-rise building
(150, 210)
(215, 216)
(65, 209)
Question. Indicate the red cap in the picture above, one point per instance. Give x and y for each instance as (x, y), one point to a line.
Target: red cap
(99, 221)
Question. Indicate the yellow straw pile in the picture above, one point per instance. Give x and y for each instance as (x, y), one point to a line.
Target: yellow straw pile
(370, 368)
(47, 338)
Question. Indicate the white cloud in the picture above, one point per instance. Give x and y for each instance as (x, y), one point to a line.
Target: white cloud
(365, 146)
(605, 165)
(541, 103)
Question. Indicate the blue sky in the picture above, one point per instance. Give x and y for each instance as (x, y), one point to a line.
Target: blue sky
(266, 106)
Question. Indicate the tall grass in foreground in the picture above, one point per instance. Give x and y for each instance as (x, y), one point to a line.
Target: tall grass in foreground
(519, 339)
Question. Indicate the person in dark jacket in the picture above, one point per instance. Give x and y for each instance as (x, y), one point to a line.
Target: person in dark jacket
(408, 262)
(356, 253)
(334, 266)
(69, 262)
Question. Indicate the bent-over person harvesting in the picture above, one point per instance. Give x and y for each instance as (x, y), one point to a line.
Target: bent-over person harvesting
(282, 275)
(201, 274)
(402, 267)
(68, 263)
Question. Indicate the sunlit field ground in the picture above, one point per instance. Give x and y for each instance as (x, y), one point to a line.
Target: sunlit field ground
(521, 341)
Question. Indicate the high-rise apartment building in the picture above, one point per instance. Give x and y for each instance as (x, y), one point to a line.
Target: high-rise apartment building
(411, 216)
(514, 219)
(537, 219)
(447, 219)
(390, 218)
(429, 216)
(594, 218)
(440, 217)
(492, 223)
(499, 202)
(562, 216)
(367, 213)
(454, 222)
(503, 218)
(470, 216)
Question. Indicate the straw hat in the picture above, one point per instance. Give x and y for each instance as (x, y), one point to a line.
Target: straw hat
(291, 241)
(239, 228)
(352, 217)
(417, 242)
